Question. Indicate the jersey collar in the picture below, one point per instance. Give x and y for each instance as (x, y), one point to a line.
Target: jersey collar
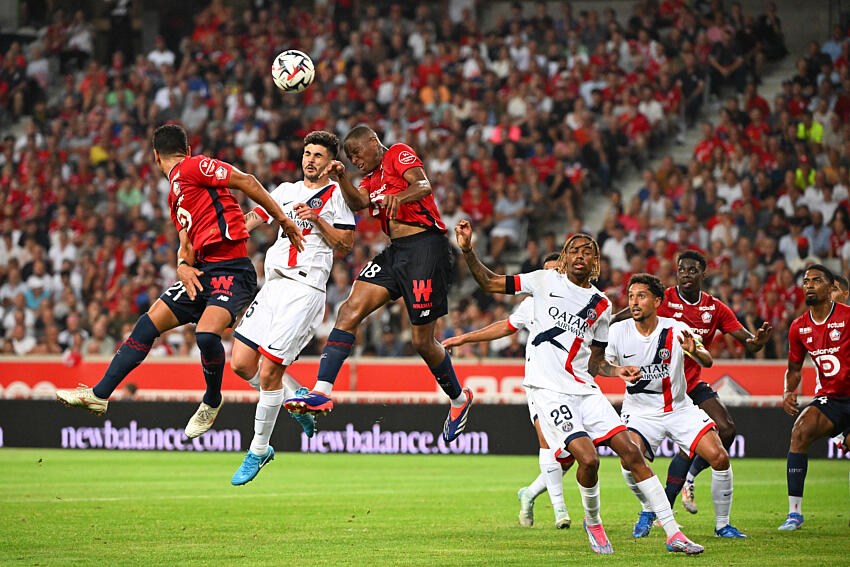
(812, 319)
(683, 300)
(173, 167)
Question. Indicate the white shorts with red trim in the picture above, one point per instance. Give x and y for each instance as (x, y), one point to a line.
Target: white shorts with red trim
(282, 319)
(684, 426)
(565, 417)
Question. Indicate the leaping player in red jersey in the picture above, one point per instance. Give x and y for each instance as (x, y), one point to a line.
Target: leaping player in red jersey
(417, 265)
(216, 279)
(824, 333)
(706, 315)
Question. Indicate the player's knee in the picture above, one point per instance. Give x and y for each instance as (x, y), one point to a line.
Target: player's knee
(422, 343)
(726, 430)
(719, 460)
(242, 368)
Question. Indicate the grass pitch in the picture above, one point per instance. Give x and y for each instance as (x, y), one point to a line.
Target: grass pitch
(138, 508)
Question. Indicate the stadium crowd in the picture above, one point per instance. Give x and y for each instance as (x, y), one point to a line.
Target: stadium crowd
(520, 123)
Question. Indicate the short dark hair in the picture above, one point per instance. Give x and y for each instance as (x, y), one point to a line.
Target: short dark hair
(359, 132)
(654, 284)
(693, 255)
(552, 257)
(170, 140)
(841, 281)
(322, 138)
(823, 269)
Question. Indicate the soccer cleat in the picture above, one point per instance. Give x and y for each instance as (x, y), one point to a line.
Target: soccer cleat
(311, 402)
(679, 543)
(688, 497)
(562, 518)
(251, 466)
(731, 532)
(598, 540)
(202, 420)
(454, 427)
(792, 522)
(307, 421)
(82, 397)
(644, 524)
(526, 508)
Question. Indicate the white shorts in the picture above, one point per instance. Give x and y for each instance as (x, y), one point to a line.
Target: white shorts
(564, 417)
(684, 426)
(282, 319)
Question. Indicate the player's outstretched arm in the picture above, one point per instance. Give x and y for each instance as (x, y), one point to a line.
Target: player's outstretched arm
(249, 185)
(486, 279)
(338, 238)
(793, 375)
(753, 343)
(626, 313)
(355, 198)
(253, 220)
(491, 332)
(598, 365)
(695, 350)
(418, 187)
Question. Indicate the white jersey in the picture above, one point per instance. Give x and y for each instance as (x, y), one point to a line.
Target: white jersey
(313, 265)
(661, 359)
(567, 320)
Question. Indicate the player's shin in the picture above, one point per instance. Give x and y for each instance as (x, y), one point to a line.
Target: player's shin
(129, 355)
(798, 464)
(590, 501)
(721, 494)
(653, 492)
(697, 466)
(632, 484)
(212, 360)
(676, 474)
(552, 474)
(447, 379)
(264, 420)
(334, 354)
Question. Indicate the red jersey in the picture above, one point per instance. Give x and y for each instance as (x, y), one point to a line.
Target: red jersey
(200, 202)
(828, 344)
(705, 317)
(389, 179)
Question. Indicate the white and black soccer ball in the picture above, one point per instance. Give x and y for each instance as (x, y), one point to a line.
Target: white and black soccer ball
(293, 71)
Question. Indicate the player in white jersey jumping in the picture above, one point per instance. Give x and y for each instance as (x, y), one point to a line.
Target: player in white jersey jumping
(551, 471)
(657, 405)
(571, 319)
(285, 314)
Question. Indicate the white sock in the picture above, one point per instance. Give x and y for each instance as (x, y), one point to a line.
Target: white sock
(654, 494)
(264, 420)
(590, 501)
(254, 381)
(459, 401)
(721, 495)
(689, 477)
(537, 487)
(551, 471)
(630, 481)
(323, 387)
(795, 504)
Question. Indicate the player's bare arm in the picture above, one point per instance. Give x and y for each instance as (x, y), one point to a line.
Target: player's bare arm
(695, 350)
(418, 187)
(355, 198)
(186, 272)
(252, 220)
(598, 365)
(793, 375)
(626, 313)
(753, 343)
(491, 332)
(249, 185)
(338, 238)
(486, 279)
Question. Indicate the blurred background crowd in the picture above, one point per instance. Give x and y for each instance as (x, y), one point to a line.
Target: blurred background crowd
(524, 119)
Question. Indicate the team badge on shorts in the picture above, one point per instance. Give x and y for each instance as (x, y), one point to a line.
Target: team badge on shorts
(706, 317)
(567, 427)
(834, 335)
(664, 354)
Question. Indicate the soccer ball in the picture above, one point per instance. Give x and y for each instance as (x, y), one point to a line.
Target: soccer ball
(293, 71)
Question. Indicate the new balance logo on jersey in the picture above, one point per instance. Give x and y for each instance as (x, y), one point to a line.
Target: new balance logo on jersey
(422, 294)
(222, 284)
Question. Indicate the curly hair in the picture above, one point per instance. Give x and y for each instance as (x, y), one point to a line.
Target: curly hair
(322, 138)
(562, 259)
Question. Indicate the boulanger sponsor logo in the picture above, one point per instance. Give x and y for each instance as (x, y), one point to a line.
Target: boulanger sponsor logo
(393, 442)
(135, 438)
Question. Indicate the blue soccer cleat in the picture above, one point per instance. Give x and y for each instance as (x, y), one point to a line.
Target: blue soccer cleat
(731, 532)
(644, 524)
(311, 402)
(792, 522)
(454, 427)
(307, 421)
(598, 539)
(250, 467)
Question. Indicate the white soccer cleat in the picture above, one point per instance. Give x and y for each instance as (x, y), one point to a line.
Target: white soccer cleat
(562, 518)
(82, 397)
(202, 420)
(688, 497)
(526, 508)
